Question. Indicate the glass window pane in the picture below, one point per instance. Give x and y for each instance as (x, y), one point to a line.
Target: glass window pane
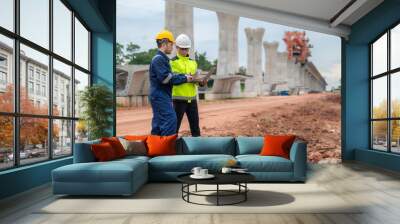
(395, 47)
(81, 45)
(379, 135)
(395, 136)
(6, 74)
(35, 21)
(62, 89)
(379, 97)
(62, 29)
(395, 94)
(62, 138)
(81, 81)
(379, 55)
(34, 72)
(7, 14)
(33, 140)
(6, 142)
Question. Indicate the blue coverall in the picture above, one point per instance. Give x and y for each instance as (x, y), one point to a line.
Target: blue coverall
(161, 82)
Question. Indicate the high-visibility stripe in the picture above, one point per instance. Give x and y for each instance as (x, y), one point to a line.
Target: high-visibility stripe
(184, 98)
(166, 80)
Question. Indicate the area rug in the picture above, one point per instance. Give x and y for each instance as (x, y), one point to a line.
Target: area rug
(166, 198)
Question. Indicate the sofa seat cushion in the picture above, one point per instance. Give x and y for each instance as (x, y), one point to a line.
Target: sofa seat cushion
(112, 171)
(257, 163)
(185, 163)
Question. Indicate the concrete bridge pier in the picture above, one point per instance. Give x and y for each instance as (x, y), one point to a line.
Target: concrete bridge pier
(228, 54)
(253, 85)
(179, 19)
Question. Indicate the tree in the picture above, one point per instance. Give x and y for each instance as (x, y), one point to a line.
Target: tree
(33, 131)
(202, 62)
(134, 57)
(120, 55)
(242, 70)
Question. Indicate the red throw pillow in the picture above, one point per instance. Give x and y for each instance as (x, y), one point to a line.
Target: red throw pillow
(103, 152)
(161, 145)
(277, 145)
(116, 145)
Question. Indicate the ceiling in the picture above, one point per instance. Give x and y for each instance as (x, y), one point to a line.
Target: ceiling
(326, 16)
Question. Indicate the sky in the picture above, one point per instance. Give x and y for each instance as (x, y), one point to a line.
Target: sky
(35, 27)
(139, 21)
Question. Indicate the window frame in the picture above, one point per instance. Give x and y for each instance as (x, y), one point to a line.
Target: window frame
(16, 114)
(388, 74)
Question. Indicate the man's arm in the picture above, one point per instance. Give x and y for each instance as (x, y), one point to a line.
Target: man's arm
(164, 74)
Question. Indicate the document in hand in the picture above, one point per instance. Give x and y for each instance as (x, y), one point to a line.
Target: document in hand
(200, 78)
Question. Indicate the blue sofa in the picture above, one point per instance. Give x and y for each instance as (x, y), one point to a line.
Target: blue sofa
(125, 176)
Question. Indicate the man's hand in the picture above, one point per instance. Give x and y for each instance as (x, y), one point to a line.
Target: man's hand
(189, 78)
(203, 82)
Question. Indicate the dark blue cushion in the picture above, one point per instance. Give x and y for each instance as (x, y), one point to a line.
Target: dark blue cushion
(249, 145)
(207, 145)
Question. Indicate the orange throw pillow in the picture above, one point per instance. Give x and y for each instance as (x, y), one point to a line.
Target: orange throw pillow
(136, 137)
(161, 145)
(277, 145)
(116, 145)
(103, 152)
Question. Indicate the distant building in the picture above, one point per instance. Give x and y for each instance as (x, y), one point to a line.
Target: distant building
(282, 74)
(132, 84)
(34, 79)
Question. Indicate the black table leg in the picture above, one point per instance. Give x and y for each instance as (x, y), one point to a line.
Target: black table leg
(196, 187)
(217, 194)
(245, 193)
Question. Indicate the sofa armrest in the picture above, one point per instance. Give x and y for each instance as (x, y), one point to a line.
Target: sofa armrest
(83, 152)
(298, 155)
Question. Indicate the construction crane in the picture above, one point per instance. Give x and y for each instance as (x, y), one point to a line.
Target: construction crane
(297, 45)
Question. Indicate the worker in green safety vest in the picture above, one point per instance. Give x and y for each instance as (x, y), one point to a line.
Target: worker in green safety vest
(185, 95)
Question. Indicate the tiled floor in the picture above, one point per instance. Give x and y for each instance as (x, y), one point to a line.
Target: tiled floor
(379, 189)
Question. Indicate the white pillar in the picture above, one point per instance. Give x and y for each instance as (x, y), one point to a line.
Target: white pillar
(228, 54)
(271, 58)
(254, 64)
(178, 20)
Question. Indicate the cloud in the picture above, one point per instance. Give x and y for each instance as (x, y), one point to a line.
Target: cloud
(333, 75)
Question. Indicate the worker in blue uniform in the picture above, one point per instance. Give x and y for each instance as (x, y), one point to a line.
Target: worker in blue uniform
(162, 79)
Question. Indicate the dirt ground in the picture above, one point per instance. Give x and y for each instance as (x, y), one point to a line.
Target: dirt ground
(314, 118)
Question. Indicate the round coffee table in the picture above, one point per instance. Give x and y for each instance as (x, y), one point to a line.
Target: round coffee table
(238, 179)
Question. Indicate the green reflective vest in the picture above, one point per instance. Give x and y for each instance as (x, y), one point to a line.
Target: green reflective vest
(184, 65)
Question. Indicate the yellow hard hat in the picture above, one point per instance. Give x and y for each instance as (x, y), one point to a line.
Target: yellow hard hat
(165, 34)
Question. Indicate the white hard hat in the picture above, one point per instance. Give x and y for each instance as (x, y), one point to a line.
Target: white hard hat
(183, 41)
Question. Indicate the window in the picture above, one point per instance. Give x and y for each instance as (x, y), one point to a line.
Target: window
(3, 78)
(6, 142)
(44, 115)
(30, 87)
(35, 21)
(385, 94)
(7, 14)
(6, 74)
(3, 61)
(44, 91)
(62, 74)
(30, 72)
(81, 45)
(62, 30)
